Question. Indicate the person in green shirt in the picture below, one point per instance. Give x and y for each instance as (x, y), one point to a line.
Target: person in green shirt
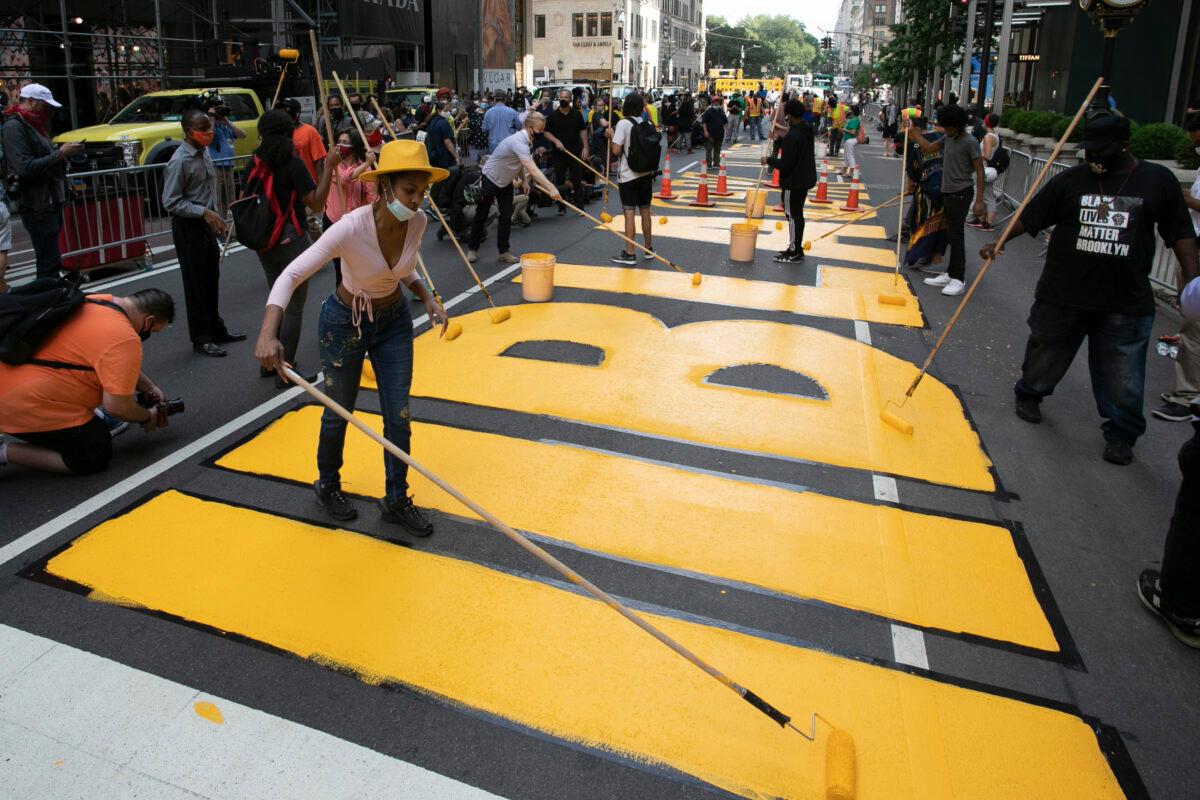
(851, 128)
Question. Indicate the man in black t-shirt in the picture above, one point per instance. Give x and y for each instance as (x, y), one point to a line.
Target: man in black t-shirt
(564, 130)
(1096, 280)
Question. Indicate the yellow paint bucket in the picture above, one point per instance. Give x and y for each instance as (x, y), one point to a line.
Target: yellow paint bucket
(743, 239)
(537, 277)
(756, 203)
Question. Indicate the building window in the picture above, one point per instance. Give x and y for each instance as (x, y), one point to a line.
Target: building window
(407, 58)
(593, 24)
(606, 23)
(577, 25)
(539, 26)
(881, 8)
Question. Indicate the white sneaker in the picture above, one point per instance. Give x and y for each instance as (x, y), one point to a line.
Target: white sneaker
(472, 256)
(953, 288)
(938, 280)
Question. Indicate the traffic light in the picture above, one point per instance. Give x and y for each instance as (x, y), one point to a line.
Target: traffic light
(827, 43)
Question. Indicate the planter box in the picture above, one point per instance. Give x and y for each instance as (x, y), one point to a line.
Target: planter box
(1005, 133)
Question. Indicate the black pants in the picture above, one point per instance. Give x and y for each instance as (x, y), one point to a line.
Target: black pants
(956, 206)
(84, 449)
(566, 167)
(43, 228)
(1181, 554)
(835, 141)
(274, 262)
(503, 226)
(793, 209)
(199, 264)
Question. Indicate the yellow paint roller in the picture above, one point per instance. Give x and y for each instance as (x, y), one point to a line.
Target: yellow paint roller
(497, 315)
(840, 755)
(454, 329)
(856, 217)
(696, 276)
(606, 217)
(896, 421)
(289, 56)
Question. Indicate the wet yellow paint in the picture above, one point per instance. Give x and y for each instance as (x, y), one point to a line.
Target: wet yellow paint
(567, 665)
(653, 380)
(848, 294)
(208, 711)
(920, 569)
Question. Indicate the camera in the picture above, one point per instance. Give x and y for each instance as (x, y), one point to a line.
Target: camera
(168, 407)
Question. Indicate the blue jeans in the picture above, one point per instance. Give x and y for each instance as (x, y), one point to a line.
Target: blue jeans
(388, 341)
(1116, 359)
(754, 124)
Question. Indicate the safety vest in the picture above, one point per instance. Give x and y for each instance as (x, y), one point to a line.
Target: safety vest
(838, 113)
(912, 111)
(755, 106)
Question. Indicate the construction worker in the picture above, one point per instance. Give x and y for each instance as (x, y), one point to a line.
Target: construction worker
(837, 121)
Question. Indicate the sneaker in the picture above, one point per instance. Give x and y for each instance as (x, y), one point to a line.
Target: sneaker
(562, 211)
(1118, 451)
(939, 280)
(115, 426)
(406, 515)
(954, 288)
(507, 258)
(986, 227)
(793, 258)
(1173, 412)
(1149, 589)
(1029, 410)
(973, 221)
(472, 256)
(334, 502)
(648, 254)
(783, 255)
(624, 258)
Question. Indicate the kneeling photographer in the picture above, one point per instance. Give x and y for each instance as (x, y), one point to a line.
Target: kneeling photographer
(72, 356)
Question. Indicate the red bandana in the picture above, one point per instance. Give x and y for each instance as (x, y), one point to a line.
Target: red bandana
(38, 121)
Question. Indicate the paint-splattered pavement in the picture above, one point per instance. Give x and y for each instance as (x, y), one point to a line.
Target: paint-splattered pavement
(960, 600)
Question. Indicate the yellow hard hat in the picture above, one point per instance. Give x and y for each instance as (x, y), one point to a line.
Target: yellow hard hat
(405, 155)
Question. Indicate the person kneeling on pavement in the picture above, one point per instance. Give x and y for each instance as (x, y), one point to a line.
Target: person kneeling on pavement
(93, 361)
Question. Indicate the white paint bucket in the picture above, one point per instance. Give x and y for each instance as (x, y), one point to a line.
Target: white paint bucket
(537, 277)
(756, 203)
(743, 240)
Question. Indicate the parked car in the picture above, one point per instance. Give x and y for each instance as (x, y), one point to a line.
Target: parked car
(415, 95)
(552, 89)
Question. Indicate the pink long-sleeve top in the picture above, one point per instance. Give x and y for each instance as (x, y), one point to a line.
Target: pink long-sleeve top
(364, 272)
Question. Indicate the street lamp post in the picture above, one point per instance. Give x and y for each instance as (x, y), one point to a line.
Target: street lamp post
(1111, 16)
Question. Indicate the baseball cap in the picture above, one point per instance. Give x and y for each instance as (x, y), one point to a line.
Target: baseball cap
(1103, 129)
(36, 91)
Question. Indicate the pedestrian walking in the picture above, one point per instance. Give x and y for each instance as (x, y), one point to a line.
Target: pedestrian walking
(734, 118)
(795, 158)
(1096, 281)
(754, 115)
(837, 118)
(189, 195)
(636, 187)
(714, 122)
(40, 169)
(962, 179)
(990, 150)
(367, 316)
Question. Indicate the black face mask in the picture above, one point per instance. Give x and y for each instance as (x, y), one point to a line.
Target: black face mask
(145, 332)
(337, 113)
(356, 106)
(564, 103)
(1106, 158)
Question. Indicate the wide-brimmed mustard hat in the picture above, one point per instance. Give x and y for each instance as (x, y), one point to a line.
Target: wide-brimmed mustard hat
(405, 155)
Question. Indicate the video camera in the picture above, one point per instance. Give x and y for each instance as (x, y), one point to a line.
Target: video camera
(168, 407)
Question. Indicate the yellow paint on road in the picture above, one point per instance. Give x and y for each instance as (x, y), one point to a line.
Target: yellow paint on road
(849, 294)
(203, 708)
(916, 568)
(567, 665)
(653, 380)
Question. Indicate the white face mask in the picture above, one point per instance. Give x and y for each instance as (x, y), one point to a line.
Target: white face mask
(400, 211)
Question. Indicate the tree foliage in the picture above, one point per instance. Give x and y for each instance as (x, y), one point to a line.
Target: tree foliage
(913, 50)
(779, 43)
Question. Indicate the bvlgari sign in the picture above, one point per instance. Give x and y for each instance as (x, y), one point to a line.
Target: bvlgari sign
(387, 20)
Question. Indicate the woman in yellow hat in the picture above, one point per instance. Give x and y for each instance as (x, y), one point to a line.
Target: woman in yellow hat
(367, 316)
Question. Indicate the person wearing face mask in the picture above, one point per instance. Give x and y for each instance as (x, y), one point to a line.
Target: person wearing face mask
(338, 118)
(564, 130)
(40, 171)
(1096, 281)
(439, 138)
(511, 157)
(310, 149)
(367, 316)
(92, 361)
(189, 195)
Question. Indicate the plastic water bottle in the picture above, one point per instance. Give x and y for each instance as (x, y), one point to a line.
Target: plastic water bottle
(1171, 350)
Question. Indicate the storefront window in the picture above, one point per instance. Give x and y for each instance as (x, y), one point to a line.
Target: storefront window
(539, 26)
(606, 23)
(593, 24)
(577, 25)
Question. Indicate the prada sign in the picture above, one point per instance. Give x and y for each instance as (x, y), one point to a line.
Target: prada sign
(394, 20)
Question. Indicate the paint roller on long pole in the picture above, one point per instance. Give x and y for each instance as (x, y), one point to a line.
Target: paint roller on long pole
(612, 60)
(696, 277)
(498, 314)
(895, 420)
(840, 767)
(454, 329)
(855, 216)
(349, 110)
(594, 171)
(903, 188)
(320, 98)
(289, 56)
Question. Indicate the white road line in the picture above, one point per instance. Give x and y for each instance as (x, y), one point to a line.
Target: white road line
(43, 532)
(908, 644)
(689, 166)
(70, 719)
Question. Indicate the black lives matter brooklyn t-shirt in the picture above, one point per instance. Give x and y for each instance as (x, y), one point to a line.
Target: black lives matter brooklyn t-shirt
(1103, 242)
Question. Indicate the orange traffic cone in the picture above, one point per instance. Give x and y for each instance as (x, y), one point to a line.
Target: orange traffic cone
(774, 184)
(702, 192)
(822, 195)
(722, 189)
(665, 192)
(852, 199)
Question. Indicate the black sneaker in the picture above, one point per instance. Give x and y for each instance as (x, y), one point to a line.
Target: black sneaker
(625, 258)
(406, 516)
(1029, 410)
(334, 502)
(792, 258)
(1173, 412)
(1119, 452)
(783, 255)
(1149, 591)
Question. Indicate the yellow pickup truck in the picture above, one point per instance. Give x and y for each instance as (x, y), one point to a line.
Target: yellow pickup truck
(147, 131)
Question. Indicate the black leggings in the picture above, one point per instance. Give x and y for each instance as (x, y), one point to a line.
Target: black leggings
(1181, 555)
(793, 209)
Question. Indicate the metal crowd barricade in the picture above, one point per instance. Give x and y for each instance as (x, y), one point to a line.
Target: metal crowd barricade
(113, 218)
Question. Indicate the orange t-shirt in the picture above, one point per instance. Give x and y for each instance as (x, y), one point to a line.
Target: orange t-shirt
(35, 399)
(309, 147)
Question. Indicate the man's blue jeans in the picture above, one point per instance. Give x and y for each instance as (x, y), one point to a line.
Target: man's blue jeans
(1116, 359)
(388, 341)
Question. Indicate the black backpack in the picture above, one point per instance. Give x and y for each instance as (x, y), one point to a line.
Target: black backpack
(645, 147)
(258, 219)
(29, 314)
(1001, 158)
